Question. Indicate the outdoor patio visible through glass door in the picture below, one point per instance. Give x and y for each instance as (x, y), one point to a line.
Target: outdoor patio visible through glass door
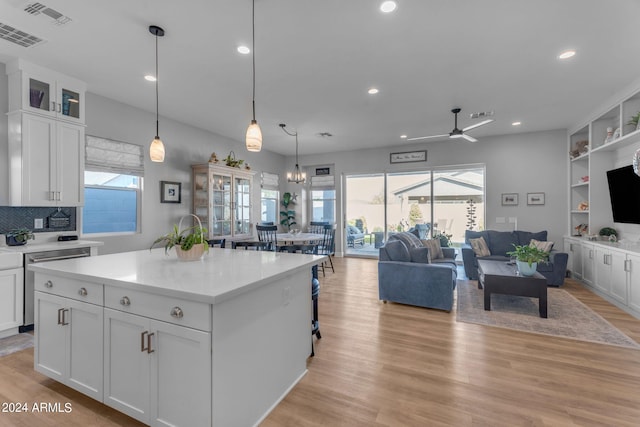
(364, 214)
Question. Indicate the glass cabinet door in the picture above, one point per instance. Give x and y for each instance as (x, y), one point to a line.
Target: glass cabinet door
(221, 205)
(40, 95)
(70, 103)
(201, 197)
(242, 196)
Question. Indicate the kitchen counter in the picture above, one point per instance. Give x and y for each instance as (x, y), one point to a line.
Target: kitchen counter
(37, 246)
(220, 275)
(214, 342)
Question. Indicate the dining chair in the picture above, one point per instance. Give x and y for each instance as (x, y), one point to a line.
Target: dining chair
(328, 245)
(268, 233)
(316, 227)
(216, 242)
(251, 245)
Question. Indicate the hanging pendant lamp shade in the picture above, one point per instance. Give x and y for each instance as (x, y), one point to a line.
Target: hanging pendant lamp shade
(156, 150)
(254, 134)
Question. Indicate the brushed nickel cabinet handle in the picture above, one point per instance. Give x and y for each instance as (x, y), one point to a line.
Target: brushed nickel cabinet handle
(53, 106)
(48, 284)
(59, 108)
(125, 301)
(83, 292)
(142, 348)
(60, 316)
(177, 312)
(64, 321)
(149, 342)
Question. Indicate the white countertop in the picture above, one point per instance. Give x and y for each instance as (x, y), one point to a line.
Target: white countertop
(220, 275)
(36, 246)
(623, 245)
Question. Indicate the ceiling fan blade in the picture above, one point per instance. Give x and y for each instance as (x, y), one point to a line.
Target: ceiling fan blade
(476, 125)
(469, 138)
(427, 137)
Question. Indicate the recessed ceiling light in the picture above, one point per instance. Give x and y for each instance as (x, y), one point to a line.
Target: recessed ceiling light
(567, 54)
(373, 91)
(244, 50)
(388, 6)
(403, 136)
(150, 78)
(516, 123)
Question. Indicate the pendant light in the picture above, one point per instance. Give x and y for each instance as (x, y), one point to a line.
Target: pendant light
(296, 176)
(254, 134)
(156, 150)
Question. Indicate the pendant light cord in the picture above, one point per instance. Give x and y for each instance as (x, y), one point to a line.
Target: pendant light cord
(157, 102)
(253, 46)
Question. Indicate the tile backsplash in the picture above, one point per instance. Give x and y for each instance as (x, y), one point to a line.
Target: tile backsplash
(53, 219)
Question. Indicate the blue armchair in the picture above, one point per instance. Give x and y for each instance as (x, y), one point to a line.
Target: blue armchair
(354, 236)
(405, 277)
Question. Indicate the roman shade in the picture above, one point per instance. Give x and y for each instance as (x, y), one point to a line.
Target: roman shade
(270, 181)
(107, 155)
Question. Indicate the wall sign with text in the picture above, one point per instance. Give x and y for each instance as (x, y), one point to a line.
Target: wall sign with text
(408, 157)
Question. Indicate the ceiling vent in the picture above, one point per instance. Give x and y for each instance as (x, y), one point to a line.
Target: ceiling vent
(325, 134)
(481, 115)
(39, 8)
(13, 35)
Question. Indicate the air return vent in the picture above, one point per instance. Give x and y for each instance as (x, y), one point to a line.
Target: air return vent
(13, 35)
(481, 114)
(39, 8)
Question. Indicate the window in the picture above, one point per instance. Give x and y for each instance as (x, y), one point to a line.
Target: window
(323, 198)
(269, 198)
(112, 186)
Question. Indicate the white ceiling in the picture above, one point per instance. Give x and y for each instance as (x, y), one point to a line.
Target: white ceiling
(315, 60)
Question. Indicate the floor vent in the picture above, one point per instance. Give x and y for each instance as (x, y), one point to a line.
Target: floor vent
(13, 35)
(39, 8)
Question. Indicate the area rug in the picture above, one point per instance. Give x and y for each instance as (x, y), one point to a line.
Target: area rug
(15, 343)
(567, 316)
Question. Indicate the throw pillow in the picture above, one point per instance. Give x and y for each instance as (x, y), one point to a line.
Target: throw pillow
(397, 251)
(434, 248)
(543, 246)
(420, 255)
(479, 247)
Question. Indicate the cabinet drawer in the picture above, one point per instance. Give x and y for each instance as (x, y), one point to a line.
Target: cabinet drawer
(178, 311)
(70, 288)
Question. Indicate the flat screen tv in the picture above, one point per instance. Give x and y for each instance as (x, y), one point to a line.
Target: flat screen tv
(624, 191)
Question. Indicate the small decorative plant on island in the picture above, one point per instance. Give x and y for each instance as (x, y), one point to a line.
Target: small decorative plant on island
(527, 258)
(287, 216)
(190, 243)
(18, 236)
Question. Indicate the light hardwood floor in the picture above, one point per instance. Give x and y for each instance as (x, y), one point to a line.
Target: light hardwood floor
(393, 365)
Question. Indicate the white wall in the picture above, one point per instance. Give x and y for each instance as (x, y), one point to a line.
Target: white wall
(4, 133)
(522, 163)
(185, 145)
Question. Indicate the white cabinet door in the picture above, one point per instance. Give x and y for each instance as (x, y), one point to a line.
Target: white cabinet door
(157, 372)
(69, 164)
(588, 263)
(11, 302)
(180, 375)
(126, 364)
(618, 289)
(69, 341)
(574, 264)
(602, 263)
(633, 267)
(47, 161)
(49, 357)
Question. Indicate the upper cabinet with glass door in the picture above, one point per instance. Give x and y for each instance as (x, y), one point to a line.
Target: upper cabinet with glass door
(42, 91)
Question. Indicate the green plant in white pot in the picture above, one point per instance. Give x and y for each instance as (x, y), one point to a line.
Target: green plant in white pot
(190, 243)
(527, 258)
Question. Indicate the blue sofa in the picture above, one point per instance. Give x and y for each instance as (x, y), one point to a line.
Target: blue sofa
(406, 277)
(501, 242)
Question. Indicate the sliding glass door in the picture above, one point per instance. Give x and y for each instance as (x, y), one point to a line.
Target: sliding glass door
(443, 201)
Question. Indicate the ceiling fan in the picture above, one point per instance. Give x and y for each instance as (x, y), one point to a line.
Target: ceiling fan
(456, 133)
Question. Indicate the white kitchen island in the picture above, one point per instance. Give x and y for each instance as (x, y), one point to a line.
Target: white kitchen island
(218, 341)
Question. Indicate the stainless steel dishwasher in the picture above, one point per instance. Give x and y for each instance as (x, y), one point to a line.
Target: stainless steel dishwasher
(37, 257)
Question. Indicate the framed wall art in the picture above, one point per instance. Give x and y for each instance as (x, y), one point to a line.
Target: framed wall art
(170, 192)
(408, 157)
(509, 199)
(535, 198)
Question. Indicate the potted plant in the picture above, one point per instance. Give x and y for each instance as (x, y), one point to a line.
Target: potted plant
(610, 233)
(445, 239)
(190, 243)
(634, 120)
(527, 258)
(287, 216)
(18, 236)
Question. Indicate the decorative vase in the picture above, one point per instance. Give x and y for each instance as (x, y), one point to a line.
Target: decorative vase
(193, 254)
(525, 269)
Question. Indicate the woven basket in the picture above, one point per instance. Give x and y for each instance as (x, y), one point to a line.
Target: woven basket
(197, 251)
